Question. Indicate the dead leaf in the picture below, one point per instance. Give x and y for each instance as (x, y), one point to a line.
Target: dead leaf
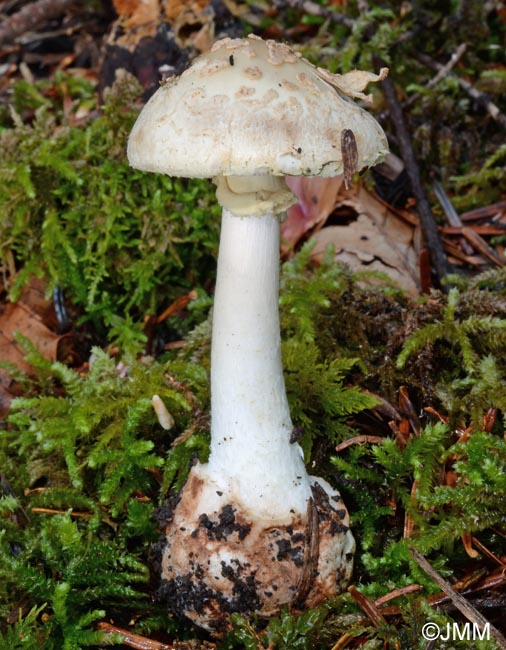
(316, 200)
(174, 8)
(354, 82)
(137, 19)
(27, 317)
(134, 13)
(378, 240)
(192, 25)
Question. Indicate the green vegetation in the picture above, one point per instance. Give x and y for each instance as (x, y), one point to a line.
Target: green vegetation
(77, 547)
(121, 244)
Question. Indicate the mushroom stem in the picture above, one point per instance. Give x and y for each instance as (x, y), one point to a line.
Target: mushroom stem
(251, 453)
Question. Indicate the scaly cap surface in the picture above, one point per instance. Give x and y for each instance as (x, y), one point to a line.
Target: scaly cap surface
(250, 106)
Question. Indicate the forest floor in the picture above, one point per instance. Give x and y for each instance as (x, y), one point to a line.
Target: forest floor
(393, 319)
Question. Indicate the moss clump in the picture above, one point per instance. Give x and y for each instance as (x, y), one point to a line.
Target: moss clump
(91, 455)
(120, 243)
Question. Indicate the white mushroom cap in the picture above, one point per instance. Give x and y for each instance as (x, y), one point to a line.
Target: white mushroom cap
(250, 106)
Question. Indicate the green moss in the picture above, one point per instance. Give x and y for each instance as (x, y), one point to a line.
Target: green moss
(119, 242)
(84, 461)
(94, 446)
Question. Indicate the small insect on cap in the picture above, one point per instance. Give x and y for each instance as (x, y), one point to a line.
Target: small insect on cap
(250, 106)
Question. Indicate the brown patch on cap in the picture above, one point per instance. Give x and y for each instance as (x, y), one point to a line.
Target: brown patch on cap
(288, 85)
(214, 66)
(245, 91)
(280, 53)
(253, 72)
(306, 81)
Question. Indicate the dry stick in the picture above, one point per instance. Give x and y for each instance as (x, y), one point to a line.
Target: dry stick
(442, 72)
(482, 99)
(30, 16)
(494, 211)
(481, 246)
(483, 549)
(470, 612)
(368, 606)
(450, 212)
(472, 239)
(133, 640)
(427, 222)
(494, 581)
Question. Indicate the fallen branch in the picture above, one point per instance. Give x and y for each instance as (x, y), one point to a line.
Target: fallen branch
(441, 74)
(464, 607)
(427, 222)
(467, 587)
(30, 16)
(144, 643)
(481, 98)
(494, 581)
(472, 238)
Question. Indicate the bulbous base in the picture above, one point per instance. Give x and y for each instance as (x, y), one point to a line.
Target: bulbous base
(223, 560)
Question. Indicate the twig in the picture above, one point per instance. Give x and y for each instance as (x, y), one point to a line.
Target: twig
(445, 69)
(470, 612)
(481, 98)
(30, 16)
(143, 643)
(483, 549)
(480, 230)
(494, 212)
(459, 256)
(441, 73)
(446, 204)
(450, 212)
(371, 610)
(427, 222)
(406, 408)
(491, 582)
(472, 239)
(481, 246)
(494, 581)
(368, 606)
(397, 593)
(178, 305)
(132, 640)
(54, 511)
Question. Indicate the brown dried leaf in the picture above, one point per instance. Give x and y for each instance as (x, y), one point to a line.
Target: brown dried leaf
(316, 200)
(354, 82)
(27, 317)
(133, 13)
(174, 8)
(378, 240)
(193, 27)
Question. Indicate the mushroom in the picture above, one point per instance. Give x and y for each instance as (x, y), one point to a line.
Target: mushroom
(251, 531)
